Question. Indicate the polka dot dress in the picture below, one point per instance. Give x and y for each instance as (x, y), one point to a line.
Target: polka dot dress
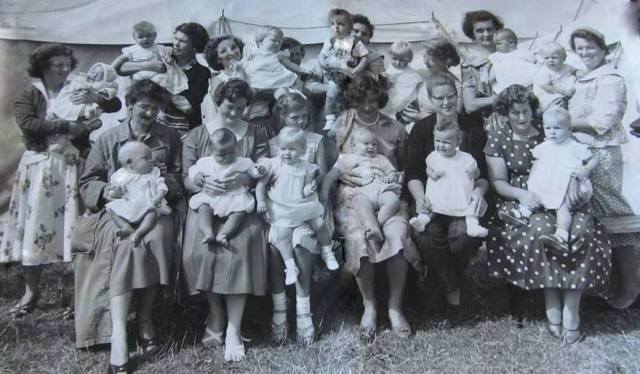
(516, 255)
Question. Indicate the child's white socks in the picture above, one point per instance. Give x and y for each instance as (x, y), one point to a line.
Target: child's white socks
(474, 229)
(279, 305)
(420, 222)
(291, 272)
(329, 258)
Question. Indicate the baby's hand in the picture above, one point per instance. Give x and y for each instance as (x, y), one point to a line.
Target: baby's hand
(114, 192)
(473, 173)
(392, 177)
(259, 171)
(168, 57)
(309, 189)
(581, 173)
(434, 174)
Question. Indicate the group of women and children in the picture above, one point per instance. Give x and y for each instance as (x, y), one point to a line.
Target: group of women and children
(230, 164)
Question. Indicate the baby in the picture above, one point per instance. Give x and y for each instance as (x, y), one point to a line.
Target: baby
(558, 159)
(555, 81)
(287, 196)
(268, 67)
(451, 176)
(144, 190)
(342, 56)
(510, 65)
(101, 80)
(403, 79)
(377, 195)
(234, 204)
(174, 80)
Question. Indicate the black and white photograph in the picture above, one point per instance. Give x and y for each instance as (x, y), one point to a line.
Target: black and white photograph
(330, 186)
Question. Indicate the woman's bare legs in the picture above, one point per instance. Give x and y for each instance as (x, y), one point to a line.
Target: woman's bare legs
(571, 309)
(396, 268)
(32, 275)
(119, 312)
(365, 280)
(145, 312)
(553, 305)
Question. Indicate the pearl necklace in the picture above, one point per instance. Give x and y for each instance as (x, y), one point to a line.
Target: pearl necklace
(368, 123)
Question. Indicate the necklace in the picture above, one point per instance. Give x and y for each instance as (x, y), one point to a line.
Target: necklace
(368, 123)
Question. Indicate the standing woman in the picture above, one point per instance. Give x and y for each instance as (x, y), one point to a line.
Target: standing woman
(477, 93)
(225, 274)
(188, 39)
(596, 110)
(46, 182)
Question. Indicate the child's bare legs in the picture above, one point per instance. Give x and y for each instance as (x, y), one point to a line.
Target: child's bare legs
(330, 106)
(146, 225)
(420, 222)
(285, 247)
(366, 212)
(205, 223)
(124, 227)
(389, 205)
(119, 312)
(324, 238)
(474, 229)
(229, 228)
(563, 221)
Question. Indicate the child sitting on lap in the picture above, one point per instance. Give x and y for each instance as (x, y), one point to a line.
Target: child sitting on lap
(558, 159)
(144, 190)
(378, 188)
(451, 175)
(287, 195)
(234, 204)
(509, 64)
(555, 81)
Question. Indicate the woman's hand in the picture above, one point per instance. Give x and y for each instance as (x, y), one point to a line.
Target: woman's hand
(84, 97)
(199, 180)
(478, 202)
(574, 198)
(213, 187)
(350, 179)
(530, 199)
(423, 205)
(111, 193)
(495, 122)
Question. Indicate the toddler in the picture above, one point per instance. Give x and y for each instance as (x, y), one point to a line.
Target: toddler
(144, 190)
(234, 204)
(510, 65)
(451, 175)
(287, 195)
(555, 81)
(342, 56)
(403, 79)
(174, 80)
(268, 67)
(558, 159)
(377, 195)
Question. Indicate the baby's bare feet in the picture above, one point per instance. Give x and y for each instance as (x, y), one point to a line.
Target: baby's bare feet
(136, 238)
(208, 237)
(222, 240)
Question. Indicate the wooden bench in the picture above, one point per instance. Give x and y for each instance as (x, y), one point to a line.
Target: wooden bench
(621, 225)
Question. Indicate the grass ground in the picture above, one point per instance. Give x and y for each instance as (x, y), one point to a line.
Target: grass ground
(478, 338)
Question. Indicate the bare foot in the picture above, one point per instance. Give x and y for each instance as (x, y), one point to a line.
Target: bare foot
(222, 240)
(136, 238)
(399, 324)
(208, 237)
(368, 322)
(373, 235)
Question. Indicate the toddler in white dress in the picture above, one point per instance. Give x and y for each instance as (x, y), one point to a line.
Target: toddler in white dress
(558, 159)
(451, 176)
(144, 190)
(101, 80)
(376, 197)
(555, 81)
(404, 80)
(510, 65)
(234, 204)
(287, 195)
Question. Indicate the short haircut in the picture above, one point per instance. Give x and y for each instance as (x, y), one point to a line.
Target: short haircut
(440, 79)
(146, 89)
(588, 34)
(292, 135)
(443, 50)
(339, 12)
(267, 30)
(506, 33)
(364, 20)
(232, 90)
(515, 94)
(448, 129)
(556, 112)
(223, 137)
(39, 60)
(552, 47)
(403, 49)
(211, 50)
(144, 27)
(196, 33)
(288, 43)
(125, 152)
(471, 18)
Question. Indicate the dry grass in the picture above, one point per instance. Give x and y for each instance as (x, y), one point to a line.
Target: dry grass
(479, 338)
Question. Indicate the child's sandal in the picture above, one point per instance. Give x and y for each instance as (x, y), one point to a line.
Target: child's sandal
(555, 242)
(305, 331)
(513, 217)
(212, 338)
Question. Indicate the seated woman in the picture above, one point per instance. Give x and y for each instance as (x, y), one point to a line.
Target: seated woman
(366, 97)
(108, 268)
(445, 244)
(515, 253)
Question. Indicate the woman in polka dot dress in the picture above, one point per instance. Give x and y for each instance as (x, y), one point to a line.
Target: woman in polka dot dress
(515, 254)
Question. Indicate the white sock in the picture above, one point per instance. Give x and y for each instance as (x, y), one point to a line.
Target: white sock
(303, 305)
(279, 303)
(290, 264)
(525, 210)
(327, 249)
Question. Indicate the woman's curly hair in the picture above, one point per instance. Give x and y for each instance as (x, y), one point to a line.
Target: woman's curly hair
(232, 90)
(147, 89)
(39, 60)
(362, 86)
(515, 94)
(211, 50)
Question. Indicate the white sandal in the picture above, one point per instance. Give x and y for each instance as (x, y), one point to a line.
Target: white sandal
(212, 338)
